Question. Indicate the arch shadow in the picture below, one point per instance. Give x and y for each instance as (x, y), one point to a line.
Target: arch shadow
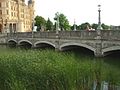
(12, 43)
(76, 44)
(44, 44)
(78, 48)
(26, 44)
(114, 50)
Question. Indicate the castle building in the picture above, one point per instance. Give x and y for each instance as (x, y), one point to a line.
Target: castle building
(16, 16)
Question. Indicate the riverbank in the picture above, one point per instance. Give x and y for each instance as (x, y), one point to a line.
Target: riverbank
(49, 70)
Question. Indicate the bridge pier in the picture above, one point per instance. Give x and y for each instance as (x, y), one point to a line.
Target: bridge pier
(98, 54)
(57, 45)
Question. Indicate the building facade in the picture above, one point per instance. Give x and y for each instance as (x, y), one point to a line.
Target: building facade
(16, 16)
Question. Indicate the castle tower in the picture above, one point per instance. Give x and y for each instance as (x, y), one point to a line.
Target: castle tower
(4, 14)
(31, 4)
(15, 16)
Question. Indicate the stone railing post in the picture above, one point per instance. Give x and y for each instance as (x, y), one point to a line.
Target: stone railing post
(98, 52)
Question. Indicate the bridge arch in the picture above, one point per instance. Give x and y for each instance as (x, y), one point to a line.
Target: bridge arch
(12, 43)
(25, 44)
(13, 40)
(76, 44)
(110, 50)
(44, 44)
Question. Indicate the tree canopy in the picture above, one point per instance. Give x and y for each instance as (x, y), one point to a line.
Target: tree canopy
(105, 27)
(49, 25)
(85, 26)
(63, 22)
(40, 22)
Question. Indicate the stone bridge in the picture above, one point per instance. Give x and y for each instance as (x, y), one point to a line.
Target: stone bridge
(101, 43)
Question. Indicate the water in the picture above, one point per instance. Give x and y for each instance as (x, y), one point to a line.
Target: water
(112, 61)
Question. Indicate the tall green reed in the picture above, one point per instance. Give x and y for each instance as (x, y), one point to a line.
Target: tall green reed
(49, 70)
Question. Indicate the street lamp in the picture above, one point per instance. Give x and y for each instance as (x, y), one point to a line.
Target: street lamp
(57, 24)
(32, 26)
(99, 18)
(74, 25)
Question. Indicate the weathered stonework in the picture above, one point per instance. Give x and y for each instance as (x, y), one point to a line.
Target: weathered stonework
(97, 41)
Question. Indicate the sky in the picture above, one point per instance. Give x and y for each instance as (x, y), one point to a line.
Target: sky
(80, 10)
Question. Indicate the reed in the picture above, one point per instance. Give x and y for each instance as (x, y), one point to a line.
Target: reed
(50, 70)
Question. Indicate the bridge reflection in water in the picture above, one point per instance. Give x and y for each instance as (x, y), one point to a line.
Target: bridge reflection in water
(101, 43)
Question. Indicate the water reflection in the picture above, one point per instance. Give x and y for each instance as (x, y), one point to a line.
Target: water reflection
(109, 64)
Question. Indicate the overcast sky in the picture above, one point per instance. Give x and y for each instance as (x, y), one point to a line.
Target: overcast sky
(80, 10)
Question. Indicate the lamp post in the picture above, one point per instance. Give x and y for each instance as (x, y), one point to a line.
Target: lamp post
(74, 25)
(57, 24)
(32, 26)
(99, 18)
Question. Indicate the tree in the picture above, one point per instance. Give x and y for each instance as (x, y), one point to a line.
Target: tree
(94, 26)
(54, 26)
(40, 22)
(49, 25)
(105, 27)
(84, 26)
(63, 22)
(72, 27)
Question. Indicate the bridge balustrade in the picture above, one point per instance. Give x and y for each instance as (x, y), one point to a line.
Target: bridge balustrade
(77, 34)
(51, 34)
(110, 34)
(20, 35)
(83, 34)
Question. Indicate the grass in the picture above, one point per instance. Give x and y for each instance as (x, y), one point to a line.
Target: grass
(49, 70)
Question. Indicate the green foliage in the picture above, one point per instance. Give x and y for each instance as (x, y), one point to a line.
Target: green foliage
(54, 26)
(72, 27)
(49, 25)
(94, 26)
(63, 22)
(40, 22)
(50, 70)
(105, 27)
(84, 26)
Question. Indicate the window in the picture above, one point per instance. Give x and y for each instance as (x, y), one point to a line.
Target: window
(7, 12)
(14, 8)
(22, 15)
(11, 7)
(6, 4)
(12, 14)
(0, 12)
(0, 4)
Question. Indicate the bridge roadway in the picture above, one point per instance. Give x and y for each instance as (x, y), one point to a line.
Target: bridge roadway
(101, 43)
